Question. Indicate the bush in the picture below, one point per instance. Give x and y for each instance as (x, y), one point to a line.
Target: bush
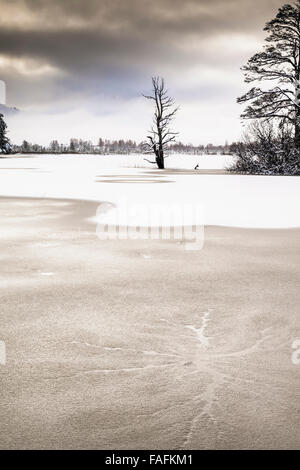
(267, 150)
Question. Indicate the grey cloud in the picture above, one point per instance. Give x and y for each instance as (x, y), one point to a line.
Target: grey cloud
(146, 16)
(116, 44)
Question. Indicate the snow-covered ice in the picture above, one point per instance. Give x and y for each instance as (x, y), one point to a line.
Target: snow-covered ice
(226, 199)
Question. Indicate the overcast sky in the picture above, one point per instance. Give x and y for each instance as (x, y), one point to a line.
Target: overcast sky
(78, 67)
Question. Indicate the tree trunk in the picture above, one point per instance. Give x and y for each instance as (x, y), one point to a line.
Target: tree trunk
(160, 159)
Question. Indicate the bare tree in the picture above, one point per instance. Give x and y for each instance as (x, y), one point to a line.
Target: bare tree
(160, 135)
(279, 63)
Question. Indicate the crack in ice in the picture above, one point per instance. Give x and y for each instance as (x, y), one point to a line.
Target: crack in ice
(112, 371)
(200, 332)
(118, 348)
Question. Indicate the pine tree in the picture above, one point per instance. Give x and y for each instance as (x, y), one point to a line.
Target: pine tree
(278, 63)
(4, 141)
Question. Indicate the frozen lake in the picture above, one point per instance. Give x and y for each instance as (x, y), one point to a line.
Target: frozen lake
(226, 199)
(142, 344)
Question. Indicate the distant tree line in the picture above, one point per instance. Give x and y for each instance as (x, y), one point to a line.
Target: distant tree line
(115, 147)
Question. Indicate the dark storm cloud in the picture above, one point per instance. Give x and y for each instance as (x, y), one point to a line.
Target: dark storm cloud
(116, 44)
(151, 15)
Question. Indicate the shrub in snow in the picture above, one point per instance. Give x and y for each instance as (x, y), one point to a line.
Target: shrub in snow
(266, 150)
